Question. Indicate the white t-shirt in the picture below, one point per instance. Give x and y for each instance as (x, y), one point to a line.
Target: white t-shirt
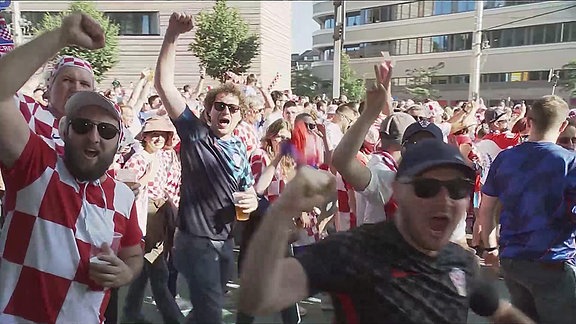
(333, 135)
(379, 191)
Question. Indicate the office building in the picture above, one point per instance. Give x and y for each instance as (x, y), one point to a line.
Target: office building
(143, 24)
(522, 41)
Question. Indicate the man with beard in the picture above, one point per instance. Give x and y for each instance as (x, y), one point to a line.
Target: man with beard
(405, 271)
(71, 232)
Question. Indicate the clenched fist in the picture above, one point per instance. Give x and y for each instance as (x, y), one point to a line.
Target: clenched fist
(180, 23)
(80, 30)
(308, 189)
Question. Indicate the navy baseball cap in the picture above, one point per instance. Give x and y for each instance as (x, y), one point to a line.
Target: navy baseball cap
(423, 126)
(429, 154)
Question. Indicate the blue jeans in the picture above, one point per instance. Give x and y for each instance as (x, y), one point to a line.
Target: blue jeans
(207, 266)
(544, 292)
(157, 272)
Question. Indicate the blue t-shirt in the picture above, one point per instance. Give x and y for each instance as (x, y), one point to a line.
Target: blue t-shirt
(536, 184)
(212, 170)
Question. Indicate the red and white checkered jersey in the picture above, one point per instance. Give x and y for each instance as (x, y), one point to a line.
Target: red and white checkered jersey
(41, 121)
(247, 134)
(491, 145)
(171, 162)
(258, 162)
(52, 222)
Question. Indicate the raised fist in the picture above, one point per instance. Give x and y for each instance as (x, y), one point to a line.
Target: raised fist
(308, 189)
(180, 23)
(80, 30)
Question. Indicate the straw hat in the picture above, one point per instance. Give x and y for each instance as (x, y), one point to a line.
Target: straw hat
(158, 124)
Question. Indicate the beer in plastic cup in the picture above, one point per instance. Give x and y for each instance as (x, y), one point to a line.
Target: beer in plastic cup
(240, 214)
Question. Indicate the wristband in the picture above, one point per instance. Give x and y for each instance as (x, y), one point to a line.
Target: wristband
(492, 249)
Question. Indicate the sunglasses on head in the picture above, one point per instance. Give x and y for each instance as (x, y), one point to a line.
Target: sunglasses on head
(429, 188)
(82, 126)
(220, 106)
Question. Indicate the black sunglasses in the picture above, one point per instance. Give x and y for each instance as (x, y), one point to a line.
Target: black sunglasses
(428, 188)
(311, 126)
(220, 106)
(82, 126)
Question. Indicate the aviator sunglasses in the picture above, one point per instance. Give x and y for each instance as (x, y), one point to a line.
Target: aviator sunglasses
(82, 126)
(428, 188)
(220, 106)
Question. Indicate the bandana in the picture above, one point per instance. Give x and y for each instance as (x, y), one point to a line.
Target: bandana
(67, 60)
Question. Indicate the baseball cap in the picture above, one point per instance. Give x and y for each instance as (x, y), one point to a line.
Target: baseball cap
(423, 126)
(428, 154)
(90, 98)
(416, 110)
(395, 125)
(493, 114)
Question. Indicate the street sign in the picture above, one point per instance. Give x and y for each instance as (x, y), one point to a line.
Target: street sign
(4, 4)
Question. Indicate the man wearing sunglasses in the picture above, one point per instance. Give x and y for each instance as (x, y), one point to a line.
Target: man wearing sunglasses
(63, 212)
(216, 178)
(401, 271)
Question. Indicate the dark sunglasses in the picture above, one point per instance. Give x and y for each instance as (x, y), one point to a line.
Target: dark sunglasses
(220, 106)
(428, 188)
(82, 126)
(567, 140)
(311, 126)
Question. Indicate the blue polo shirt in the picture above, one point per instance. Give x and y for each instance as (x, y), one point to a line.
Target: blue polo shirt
(212, 169)
(536, 184)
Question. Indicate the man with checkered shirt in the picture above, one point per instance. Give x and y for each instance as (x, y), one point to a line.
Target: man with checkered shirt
(57, 261)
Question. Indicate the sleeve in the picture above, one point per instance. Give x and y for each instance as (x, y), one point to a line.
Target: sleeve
(188, 126)
(258, 163)
(490, 187)
(36, 157)
(132, 233)
(138, 164)
(326, 264)
(379, 189)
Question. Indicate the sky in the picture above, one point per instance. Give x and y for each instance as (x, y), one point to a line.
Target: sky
(302, 26)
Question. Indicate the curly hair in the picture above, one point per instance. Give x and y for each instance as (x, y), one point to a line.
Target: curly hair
(228, 88)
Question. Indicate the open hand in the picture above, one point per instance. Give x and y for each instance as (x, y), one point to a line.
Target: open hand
(180, 23)
(81, 30)
(378, 98)
(112, 272)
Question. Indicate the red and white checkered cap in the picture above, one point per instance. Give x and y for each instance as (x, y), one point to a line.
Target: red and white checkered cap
(72, 61)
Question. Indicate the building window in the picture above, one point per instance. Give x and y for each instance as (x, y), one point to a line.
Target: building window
(135, 23)
(442, 7)
(569, 33)
(465, 5)
(353, 19)
(33, 20)
(439, 44)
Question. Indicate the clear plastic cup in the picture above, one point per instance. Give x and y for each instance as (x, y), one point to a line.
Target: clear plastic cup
(240, 214)
(114, 246)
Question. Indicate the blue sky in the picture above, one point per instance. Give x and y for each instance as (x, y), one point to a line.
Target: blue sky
(302, 26)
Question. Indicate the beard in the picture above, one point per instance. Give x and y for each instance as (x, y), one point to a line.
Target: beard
(75, 162)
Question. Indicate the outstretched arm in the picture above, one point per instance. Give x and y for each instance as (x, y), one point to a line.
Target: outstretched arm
(18, 65)
(164, 79)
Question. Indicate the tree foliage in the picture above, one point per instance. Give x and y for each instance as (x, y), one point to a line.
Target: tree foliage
(350, 85)
(304, 83)
(420, 82)
(223, 42)
(102, 60)
(570, 82)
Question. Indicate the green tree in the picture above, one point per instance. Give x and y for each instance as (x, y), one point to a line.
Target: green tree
(223, 42)
(570, 82)
(102, 60)
(420, 82)
(304, 83)
(350, 85)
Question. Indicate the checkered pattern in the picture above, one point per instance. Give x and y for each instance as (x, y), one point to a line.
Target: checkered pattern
(51, 224)
(173, 172)
(72, 61)
(247, 134)
(258, 162)
(41, 121)
(6, 42)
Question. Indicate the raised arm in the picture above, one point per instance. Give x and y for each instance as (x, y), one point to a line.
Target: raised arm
(270, 281)
(164, 79)
(344, 156)
(18, 65)
(200, 84)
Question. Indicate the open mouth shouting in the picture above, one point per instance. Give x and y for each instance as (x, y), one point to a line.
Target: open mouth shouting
(91, 153)
(224, 122)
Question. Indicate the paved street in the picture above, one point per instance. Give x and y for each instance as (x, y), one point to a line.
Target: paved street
(315, 313)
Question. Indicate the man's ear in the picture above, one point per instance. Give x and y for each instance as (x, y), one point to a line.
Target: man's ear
(63, 127)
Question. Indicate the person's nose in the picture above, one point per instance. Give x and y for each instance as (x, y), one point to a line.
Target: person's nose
(93, 134)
